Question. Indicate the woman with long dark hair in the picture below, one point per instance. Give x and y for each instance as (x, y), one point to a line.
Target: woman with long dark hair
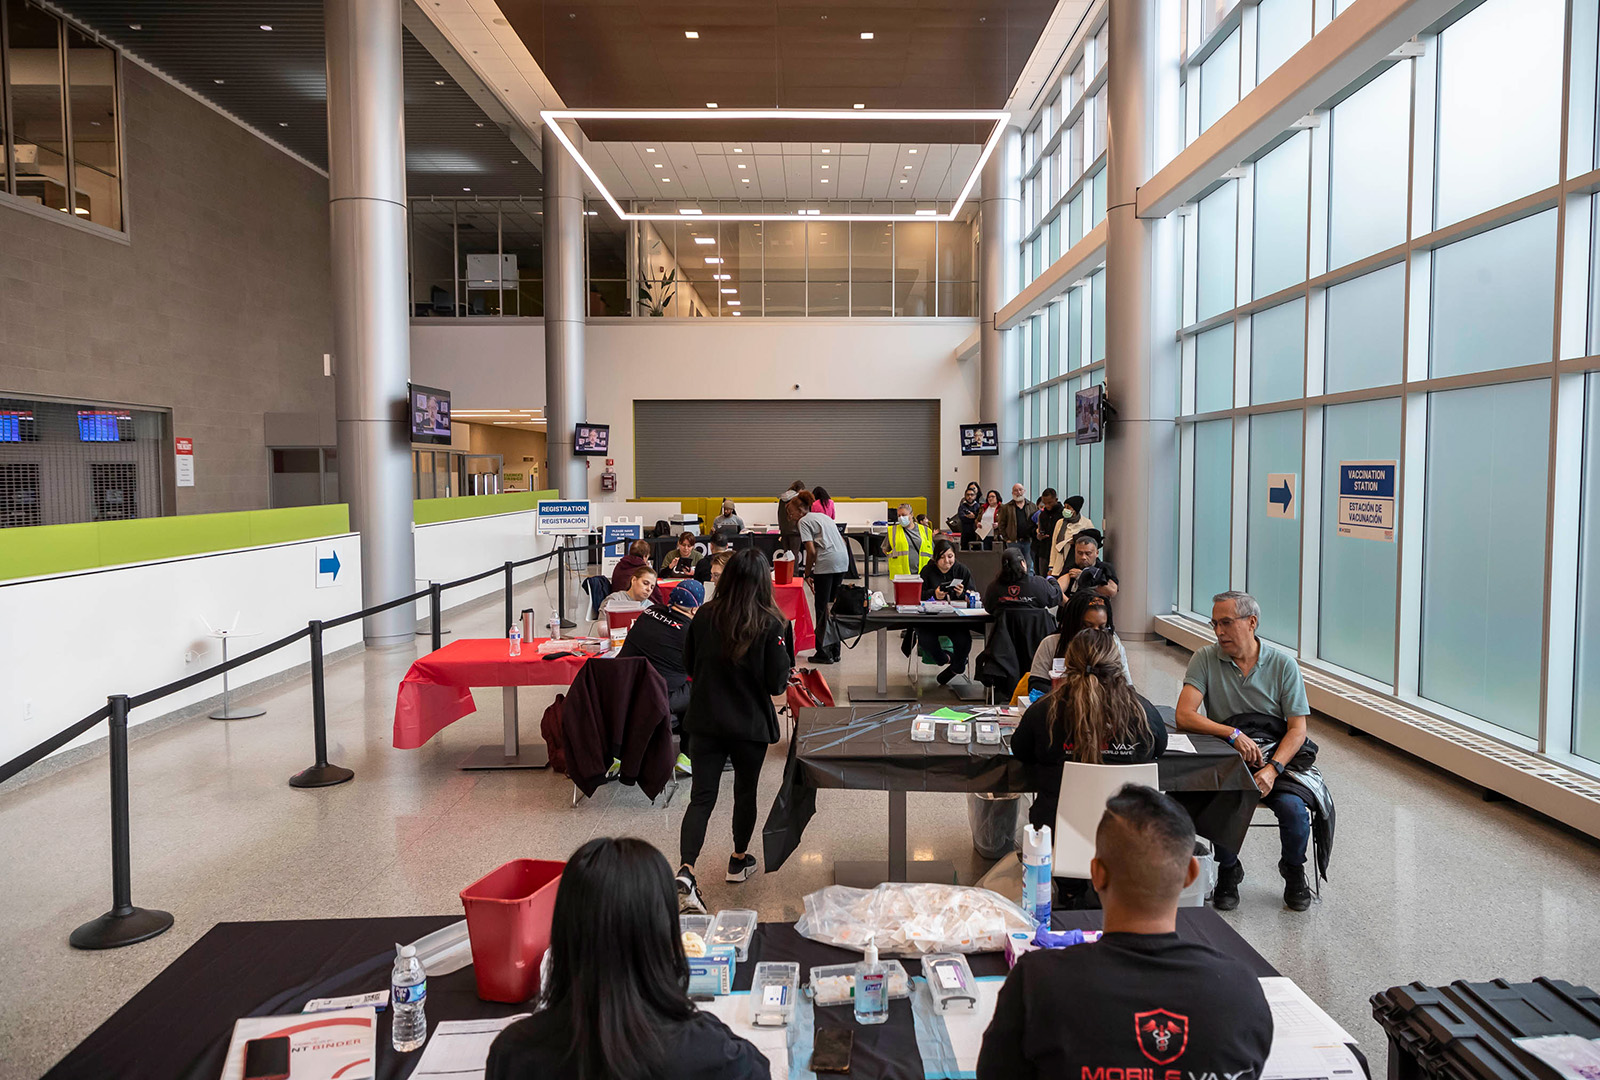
(616, 1003)
(1093, 715)
(738, 654)
(1083, 611)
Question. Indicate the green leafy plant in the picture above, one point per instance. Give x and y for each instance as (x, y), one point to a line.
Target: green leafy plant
(655, 296)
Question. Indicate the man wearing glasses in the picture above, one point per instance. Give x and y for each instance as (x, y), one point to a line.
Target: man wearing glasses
(1253, 694)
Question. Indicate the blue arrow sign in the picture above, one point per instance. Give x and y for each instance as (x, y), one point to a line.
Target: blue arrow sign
(329, 565)
(1281, 495)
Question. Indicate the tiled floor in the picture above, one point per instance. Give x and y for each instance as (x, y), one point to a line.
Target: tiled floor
(1428, 882)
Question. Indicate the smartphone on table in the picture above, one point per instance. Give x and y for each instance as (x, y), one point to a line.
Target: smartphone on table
(830, 1051)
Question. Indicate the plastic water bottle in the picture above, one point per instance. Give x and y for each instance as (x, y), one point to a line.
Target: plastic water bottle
(515, 634)
(555, 628)
(408, 994)
(871, 997)
(1036, 873)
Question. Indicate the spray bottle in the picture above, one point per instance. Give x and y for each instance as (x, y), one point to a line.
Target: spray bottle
(1036, 873)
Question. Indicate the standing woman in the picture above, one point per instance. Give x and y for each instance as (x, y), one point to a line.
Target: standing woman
(738, 655)
(967, 515)
(824, 501)
(987, 517)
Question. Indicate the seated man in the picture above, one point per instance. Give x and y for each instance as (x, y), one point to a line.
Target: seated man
(680, 561)
(638, 555)
(658, 636)
(718, 544)
(1242, 676)
(636, 597)
(1140, 1000)
(1087, 571)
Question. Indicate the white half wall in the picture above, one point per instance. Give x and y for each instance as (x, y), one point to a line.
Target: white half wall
(499, 364)
(448, 550)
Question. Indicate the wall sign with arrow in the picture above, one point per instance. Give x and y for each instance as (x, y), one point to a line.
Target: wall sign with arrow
(327, 557)
(1282, 495)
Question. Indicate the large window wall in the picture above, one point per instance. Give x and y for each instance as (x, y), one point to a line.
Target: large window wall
(1409, 277)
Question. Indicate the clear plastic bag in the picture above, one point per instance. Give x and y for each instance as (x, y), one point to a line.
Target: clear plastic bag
(912, 919)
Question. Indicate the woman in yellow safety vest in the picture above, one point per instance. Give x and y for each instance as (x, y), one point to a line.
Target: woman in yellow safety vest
(908, 544)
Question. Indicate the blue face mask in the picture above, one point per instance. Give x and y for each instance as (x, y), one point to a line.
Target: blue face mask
(904, 521)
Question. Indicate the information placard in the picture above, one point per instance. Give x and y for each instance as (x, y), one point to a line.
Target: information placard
(184, 455)
(1366, 499)
(562, 517)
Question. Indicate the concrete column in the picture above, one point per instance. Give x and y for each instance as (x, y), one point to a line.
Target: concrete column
(1141, 320)
(566, 299)
(372, 333)
(1000, 233)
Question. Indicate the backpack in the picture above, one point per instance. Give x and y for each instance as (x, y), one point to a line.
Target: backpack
(550, 731)
(807, 689)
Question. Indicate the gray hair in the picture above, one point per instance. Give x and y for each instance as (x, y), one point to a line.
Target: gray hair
(1243, 603)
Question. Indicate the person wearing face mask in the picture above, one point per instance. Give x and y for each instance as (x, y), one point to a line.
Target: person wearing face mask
(908, 545)
(946, 580)
(967, 515)
(727, 523)
(1014, 523)
(1072, 522)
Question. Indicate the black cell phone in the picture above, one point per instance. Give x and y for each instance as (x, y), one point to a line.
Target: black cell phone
(830, 1053)
(267, 1059)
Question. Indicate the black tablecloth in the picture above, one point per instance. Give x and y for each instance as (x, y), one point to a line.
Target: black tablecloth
(178, 1026)
(869, 748)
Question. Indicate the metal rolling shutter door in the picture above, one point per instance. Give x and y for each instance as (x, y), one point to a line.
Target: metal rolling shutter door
(742, 448)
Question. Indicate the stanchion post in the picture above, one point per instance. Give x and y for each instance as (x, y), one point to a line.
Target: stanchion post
(435, 604)
(511, 607)
(124, 924)
(321, 774)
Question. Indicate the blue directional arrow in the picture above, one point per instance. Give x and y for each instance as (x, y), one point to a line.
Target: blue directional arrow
(1281, 495)
(329, 565)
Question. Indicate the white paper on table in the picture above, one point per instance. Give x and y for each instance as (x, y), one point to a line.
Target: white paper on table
(323, 1045)
(460, 1048)
(734, 1010)
(1291, 1059)
(1573, 1056)
(1177, 740)
(966, 1028)
(1296, 1018)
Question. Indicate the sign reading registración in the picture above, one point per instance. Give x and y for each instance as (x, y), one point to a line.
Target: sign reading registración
(563, 517)
(1366, 499)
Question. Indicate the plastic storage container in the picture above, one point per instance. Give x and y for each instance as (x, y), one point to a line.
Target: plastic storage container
(696, 924)
(950, 982)
(508, 925)
(734, 927)
(772, 993)
(908, 589)
(836, 983)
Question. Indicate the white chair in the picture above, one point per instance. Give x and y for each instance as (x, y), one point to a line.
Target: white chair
(1082, 802)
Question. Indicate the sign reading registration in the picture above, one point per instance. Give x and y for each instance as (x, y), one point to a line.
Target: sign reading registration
(563, 517)
(1366, 499)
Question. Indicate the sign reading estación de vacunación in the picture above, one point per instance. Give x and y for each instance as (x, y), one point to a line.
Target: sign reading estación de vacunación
(1366, 499)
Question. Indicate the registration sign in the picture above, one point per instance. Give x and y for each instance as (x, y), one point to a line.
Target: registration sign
(562, 517)
(1366, 499)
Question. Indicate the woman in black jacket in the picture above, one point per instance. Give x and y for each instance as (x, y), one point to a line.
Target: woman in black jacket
(1092, 716)
(948, 581)
(1015, 587)
(738, 655)
(616, 1005)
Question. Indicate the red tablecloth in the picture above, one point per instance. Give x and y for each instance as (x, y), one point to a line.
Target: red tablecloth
(437, 692)
(796, 607)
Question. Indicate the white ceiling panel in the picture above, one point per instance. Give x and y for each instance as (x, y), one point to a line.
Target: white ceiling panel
(770, 176)
(931, 164)
(852, 176)
(797, 176)
(881, 180)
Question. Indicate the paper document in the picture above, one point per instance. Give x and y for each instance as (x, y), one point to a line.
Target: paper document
(950, 714)
(1294, 1060)
(459, 1049)
(1296, 1018)
(323, 1045)
(734, 1010)
(1179, 743)
(1573, 1056)
(970, 611)
(965, 1029)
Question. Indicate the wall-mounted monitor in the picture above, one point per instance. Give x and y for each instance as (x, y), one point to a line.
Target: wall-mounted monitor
(430, 415)
(16, 425)
(592, 439)
(1091, 413)
(105, 425)
(979, 439)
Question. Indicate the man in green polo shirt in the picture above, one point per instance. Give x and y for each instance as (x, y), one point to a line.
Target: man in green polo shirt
(1241, 676)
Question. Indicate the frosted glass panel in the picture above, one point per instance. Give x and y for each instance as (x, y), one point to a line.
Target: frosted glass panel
(1213, 511)
(1371, 137)
(1219, 81)
(1074, 350)
(1278, 353)
(1482, 606)
(1282, 27)
(1272, 557)
(1355, 615)
(1213, 351)
(1218, 241)
(1499, 105)
(1097, 318)
(1366, 330)
(1282, 179)
(1586, 702)
(1494, 298)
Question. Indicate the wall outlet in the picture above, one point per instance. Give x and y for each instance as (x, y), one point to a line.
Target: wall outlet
(190, 656)
(27, 710)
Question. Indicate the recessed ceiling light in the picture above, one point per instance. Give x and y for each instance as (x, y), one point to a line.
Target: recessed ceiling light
(516, 163)
(438, 82)
(926, 213)
(825, 150)
(733, 303)
(283, 123)
(721, 277)
(649, 149)
(711, 104)
(905, 181)
(908, 168)
(729, 292)
(666, 179)
(738, 150)
(713, 260)
(466, 189)
(913, 150)
(219, 82)
(479, 124)
(592, 213)
(135, 26)
(744, 180)
(740, 165)
(264, 26)
(705, 239)
(690, 210)
(824, 166)
(659, 165)
(736, 314)
(691, 34)
(858, 105)
(866, 35)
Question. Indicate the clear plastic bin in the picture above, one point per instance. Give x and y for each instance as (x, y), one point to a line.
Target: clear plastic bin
(836, 983)
(772, 993)
(734, 927)
(950, 981)
(696, 924)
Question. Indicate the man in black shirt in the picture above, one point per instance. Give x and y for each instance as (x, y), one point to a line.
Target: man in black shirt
(702, 569)
(658, 635)
(1087, 570)
(1139, 1002)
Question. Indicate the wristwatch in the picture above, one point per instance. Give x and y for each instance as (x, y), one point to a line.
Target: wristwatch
(1276, 764)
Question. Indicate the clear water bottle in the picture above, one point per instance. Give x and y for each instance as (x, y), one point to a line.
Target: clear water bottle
(515, 634)
(408, 994)
(555, 628)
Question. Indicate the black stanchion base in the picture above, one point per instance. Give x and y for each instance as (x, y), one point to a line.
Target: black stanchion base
(112, 931)
(321, 776)
(568, 624)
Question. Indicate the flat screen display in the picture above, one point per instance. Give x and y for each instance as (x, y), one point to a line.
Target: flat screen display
(430, 415)
(980, 439)
(104, 425)
(16, 425)
(593, 439)
(1091, 412)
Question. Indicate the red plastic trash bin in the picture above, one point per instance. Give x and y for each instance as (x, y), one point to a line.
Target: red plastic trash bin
(508, 926)
(782, 571)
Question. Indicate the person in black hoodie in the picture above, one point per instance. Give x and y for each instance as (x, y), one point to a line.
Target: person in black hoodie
(1014, 586)
(948, 581)
(738, 654)
(616, 1005)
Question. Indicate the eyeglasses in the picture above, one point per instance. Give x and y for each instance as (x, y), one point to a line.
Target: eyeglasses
(1218, 624)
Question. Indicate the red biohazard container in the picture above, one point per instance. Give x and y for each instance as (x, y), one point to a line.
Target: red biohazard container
(783, 571)
(508, 926)
(907, 589)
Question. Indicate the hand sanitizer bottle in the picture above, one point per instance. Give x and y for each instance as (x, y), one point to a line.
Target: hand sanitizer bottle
(871, 998)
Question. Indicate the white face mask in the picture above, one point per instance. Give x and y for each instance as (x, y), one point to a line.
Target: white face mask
(904, 521)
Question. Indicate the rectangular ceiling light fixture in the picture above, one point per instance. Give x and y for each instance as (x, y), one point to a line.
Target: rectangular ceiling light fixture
(999, 118)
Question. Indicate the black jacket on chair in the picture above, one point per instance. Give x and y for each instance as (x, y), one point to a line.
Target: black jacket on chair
(1012, 641)
(618, 709)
